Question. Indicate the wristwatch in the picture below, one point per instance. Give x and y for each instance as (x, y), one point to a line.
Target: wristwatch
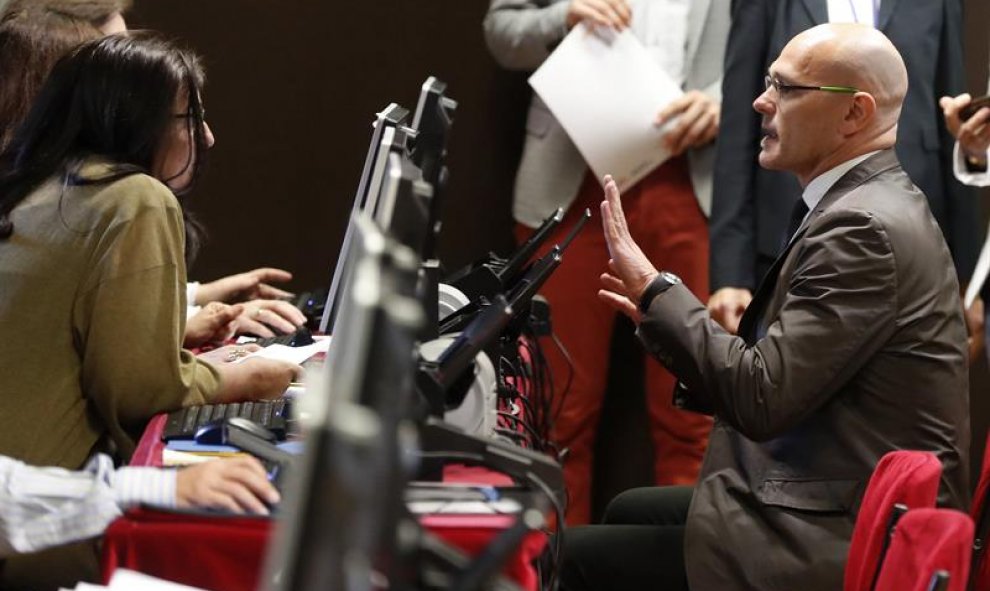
(661, 283)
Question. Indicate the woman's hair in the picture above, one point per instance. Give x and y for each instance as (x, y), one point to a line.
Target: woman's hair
(112, 97)
(34, 34)
(97, 12)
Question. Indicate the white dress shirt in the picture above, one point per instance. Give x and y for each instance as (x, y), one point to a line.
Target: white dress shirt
(661, 25)
(820, 185)
(42, 507)
(977, 179)
(854, 11)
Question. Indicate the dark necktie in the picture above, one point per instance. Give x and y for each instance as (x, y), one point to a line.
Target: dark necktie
(797, 216)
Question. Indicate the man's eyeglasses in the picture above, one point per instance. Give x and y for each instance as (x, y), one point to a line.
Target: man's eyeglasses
(782, 89)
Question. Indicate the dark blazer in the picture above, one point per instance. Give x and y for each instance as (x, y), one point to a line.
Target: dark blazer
(750, 205)
(854, 346)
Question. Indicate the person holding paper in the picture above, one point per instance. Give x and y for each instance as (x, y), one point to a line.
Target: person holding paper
(854, 346)
(970, 166)
(750, 205)
(668, 208)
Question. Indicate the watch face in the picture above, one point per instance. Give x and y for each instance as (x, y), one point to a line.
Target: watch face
(670, 277)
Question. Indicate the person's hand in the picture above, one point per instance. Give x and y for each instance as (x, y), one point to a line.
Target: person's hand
(973, 134)
(260, 317)
(974, 326)
(630, 272)
(606, 13)
(252, 285)
(697, 123)
(727, 305)
(257, 378)
(214, 323)
(236, 484)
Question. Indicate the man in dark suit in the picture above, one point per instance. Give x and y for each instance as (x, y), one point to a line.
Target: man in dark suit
(750, 204)
(853, 346)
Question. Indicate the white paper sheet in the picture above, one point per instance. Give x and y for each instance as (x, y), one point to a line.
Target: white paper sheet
(979, 276)
(605, 90)
(295, 355)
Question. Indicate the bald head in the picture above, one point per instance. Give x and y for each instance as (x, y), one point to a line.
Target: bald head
(859, 56)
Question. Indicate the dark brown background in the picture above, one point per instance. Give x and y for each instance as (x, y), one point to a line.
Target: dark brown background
(293, 87)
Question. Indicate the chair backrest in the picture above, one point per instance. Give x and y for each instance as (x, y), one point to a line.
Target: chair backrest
(980, 571)
(927, 541)
(901, 477)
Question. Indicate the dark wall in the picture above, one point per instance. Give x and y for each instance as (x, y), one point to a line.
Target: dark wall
(293, 88)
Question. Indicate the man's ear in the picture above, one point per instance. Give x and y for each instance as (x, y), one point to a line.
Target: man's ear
(861, 111)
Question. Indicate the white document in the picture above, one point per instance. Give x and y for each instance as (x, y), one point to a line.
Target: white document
(979, 276)
(606, 90)
(135, 581)
(291, 354)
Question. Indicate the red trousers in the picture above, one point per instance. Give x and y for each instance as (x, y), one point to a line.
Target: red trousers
(667, 223)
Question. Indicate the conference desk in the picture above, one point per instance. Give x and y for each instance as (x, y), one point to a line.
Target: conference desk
(225, 553)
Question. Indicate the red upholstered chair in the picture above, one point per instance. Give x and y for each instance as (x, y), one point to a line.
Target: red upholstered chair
(980, 571)
(925, 542)
(903, 477)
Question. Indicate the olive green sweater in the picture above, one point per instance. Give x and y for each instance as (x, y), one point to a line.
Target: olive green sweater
(92, 302)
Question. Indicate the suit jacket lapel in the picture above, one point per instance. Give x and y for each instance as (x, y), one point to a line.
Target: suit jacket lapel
(886, 9)
(817, 10)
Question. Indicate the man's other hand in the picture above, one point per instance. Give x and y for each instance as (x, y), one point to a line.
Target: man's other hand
(727, 306)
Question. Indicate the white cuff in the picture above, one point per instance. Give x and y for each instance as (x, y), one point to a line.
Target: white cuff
(962, 172)
(152, 486)
(191, 289)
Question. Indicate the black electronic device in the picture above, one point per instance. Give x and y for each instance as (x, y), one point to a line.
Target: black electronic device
(389, 132)
(973, 106)
(297, 338)
(270, 414)
(521, 293)
(440, 439)
(443, 383)
(403, 206)
(432, 120)
(484, 279)
(344, 497)
(217, 432)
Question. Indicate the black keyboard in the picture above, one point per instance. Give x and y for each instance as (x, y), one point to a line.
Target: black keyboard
(300, 338)
(272, 414)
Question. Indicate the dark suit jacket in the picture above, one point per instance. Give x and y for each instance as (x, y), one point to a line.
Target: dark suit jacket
(862, 352)
(750, 205)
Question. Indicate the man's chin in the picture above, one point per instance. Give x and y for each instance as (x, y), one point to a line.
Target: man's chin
(769, 160)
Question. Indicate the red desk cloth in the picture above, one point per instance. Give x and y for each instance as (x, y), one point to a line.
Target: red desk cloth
(227, 553)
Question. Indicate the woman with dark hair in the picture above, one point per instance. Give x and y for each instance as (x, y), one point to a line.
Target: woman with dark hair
(34, 34)
(92, 271)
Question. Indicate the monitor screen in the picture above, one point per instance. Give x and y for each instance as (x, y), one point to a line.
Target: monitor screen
(432, 121)
(343, 499)
(387, 131)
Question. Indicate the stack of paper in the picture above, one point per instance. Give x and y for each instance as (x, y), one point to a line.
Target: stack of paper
(606, 91)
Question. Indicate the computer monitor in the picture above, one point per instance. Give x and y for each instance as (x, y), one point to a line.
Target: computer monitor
(387, 131)
(432, 121)
(344, 498)
(404, 202)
